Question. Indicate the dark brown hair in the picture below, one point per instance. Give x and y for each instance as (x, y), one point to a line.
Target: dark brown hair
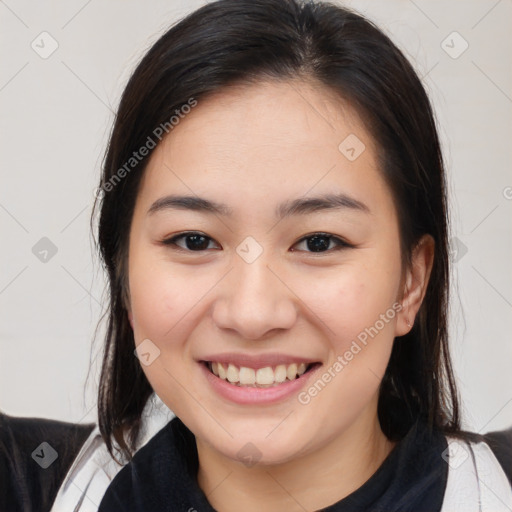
(246, 41)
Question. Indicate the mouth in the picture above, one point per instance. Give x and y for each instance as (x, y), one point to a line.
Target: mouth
(266, 377)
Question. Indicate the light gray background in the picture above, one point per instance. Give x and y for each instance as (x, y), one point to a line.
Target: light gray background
(56, 116)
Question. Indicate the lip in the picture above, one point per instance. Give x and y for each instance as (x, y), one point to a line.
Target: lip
(256, 362)
(262, 396)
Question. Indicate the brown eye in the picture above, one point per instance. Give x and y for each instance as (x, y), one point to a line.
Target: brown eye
(193, 241)
(321, 242)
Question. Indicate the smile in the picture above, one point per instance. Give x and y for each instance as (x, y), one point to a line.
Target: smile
(269, 376)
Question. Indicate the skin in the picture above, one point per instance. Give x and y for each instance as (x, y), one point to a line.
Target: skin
(252, 148)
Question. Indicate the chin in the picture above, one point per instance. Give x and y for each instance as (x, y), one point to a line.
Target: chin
(259, 450)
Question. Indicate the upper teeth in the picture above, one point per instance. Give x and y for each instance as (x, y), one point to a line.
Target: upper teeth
(267, 376)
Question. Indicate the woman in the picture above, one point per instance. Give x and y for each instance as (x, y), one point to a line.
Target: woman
(273, 219)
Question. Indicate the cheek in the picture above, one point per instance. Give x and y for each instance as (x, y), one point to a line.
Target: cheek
(163, 300)
(357, 312)
(163, 296)
(351, 299)
(356, 307)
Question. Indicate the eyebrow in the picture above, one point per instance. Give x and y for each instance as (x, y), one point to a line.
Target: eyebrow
(300, 206)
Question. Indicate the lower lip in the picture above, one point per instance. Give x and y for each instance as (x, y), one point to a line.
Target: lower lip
(250, 395)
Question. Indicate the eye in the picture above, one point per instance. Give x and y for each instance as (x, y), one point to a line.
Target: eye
(194, 241)
(320, 242)
(197, 242)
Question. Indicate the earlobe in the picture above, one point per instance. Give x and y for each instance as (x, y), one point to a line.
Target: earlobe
(130, 318)
(415, 285)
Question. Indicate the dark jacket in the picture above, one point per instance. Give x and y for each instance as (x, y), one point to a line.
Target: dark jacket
(35, 455)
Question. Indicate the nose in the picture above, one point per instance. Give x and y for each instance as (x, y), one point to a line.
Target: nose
(254, 301)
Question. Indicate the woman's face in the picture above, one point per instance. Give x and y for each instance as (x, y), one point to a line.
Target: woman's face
(254, 289)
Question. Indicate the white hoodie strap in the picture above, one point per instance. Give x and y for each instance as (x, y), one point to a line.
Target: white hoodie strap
(93, 469)
(476, 481)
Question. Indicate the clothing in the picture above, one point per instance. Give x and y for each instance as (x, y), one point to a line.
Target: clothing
(94, 469)
(25, 484)
(166, 451)
(412, 478)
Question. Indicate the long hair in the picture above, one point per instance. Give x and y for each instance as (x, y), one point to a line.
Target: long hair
(243, 42)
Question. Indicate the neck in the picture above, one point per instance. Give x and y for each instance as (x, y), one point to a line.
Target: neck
(334, 471)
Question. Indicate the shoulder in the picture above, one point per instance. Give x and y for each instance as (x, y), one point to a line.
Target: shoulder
(500, 442)
(159, 475)
(94, 469)
(479, 472)
(35, 455)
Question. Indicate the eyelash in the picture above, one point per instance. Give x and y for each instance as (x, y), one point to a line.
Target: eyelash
(340, 243)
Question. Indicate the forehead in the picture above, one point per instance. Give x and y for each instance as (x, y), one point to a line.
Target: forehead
(287, 114)
(266, 142)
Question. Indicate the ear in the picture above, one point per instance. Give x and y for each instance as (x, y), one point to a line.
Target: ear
(414, 284)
